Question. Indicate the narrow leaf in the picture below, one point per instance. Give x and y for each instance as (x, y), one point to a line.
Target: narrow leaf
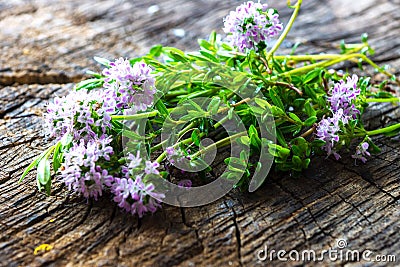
(34, 164)
(276, 99)
(56, 159)
(195, 137)
(102, 61)
(162, 108)
(43, 171)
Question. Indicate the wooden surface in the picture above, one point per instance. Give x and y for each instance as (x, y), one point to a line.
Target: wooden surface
(46, 46)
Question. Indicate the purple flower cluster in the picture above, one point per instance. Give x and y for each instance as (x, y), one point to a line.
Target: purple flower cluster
(82, 171)
(362, 152)
(83, 114)
(341, 100)
(88, 167)
(131, 192)
(134, 85)
(328, 130)
(252, 26)
(343, 95)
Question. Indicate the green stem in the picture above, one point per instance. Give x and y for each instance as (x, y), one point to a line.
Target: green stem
(286, 30)
(333, 59)
(176, 93)
(220, 143)
(135, 116)
(182, 132)
(319, 56)
(382, 100)
(388, 129)
(183, 142)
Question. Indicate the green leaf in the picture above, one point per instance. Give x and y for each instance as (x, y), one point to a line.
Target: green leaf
(277, 112)
(156, 50)
(89, 84)
(132, 135)
(191, 104)
(94, 74)
(364, 37)
(162, 108)
(313, 76)
(177, 57)
(343, 47)
(297, 130)
(289, 128)
(310, 92)
(244, 156)
(306, 163)
(227, 47)
(102, 61)
(206, 45)
(318, 143)
(262, 103)
(43, 171)
(252, 130)
(296, 150)
(213, 37)
(310, 121)
(299, 102)
(230, 113)
(214, 105)
(34, 163)
(209, 56)
(47, 187)
(195, 137)
(175, 53)
(245, 140)
(297, 161)
(280, 138)
(254, 138)
(56, 157)
(276, 99)
(310, 111)
(30, 167)
(284, 153)
(295, 117)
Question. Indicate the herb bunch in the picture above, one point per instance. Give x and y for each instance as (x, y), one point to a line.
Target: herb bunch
(109, 130)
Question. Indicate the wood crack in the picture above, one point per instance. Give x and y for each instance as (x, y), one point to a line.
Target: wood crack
(28, 77)
(237, 234)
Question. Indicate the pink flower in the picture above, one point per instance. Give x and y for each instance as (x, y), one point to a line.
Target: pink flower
(361, 152)
(134, 86)
(252, 26)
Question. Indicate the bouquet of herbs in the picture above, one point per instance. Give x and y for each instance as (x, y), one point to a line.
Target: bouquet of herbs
(155, 128)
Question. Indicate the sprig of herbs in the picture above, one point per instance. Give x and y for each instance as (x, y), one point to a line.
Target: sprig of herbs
(110, 131)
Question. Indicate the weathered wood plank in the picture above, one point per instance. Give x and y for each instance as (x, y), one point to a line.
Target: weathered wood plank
(53, 42)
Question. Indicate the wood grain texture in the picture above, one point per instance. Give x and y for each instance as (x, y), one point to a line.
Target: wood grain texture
(46, 46)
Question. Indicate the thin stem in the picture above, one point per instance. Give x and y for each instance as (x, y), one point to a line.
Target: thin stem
(382, 100)
(181, 133)
(309, 131)
(333, 59)
(220, 143)
(183, 142)
(135, 116)
(290, 86)
(388, 129)
(176, 93)
(286, 30)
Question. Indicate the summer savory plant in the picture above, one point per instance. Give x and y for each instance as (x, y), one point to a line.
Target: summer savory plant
(108, 131)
